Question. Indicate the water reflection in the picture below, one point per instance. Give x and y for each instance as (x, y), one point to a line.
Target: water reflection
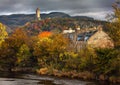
(10, 81)
(6, 81)
(32, 79)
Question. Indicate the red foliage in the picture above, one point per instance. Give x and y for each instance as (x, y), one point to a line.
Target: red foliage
(44, 34)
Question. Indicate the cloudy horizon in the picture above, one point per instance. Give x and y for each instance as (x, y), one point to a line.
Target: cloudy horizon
(97, 9)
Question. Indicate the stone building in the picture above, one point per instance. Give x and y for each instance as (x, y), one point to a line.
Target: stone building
(100, 39)
(38, 14)
(93, 37)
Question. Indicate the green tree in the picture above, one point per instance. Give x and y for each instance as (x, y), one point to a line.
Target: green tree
(88, 59)
(108, 61)
(23, 56)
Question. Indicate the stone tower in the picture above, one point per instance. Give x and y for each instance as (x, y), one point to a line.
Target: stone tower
(38, 14)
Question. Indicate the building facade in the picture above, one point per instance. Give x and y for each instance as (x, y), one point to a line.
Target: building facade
(93, 37)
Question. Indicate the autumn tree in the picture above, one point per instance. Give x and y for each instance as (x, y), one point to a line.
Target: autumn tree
(7, 57)
(45, 34)
(18, 38)
(15, 46)
(3, 33)
(114, 26)
(48, 50)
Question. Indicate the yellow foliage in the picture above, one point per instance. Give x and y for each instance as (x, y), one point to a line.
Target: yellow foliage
(43, 71)
(3, 33)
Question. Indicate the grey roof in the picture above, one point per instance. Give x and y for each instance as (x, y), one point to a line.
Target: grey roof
(85, 35)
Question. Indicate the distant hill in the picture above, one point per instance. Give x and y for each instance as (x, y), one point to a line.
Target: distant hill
(54, 21)
(16, 20)
(82, 18)
(59, 24)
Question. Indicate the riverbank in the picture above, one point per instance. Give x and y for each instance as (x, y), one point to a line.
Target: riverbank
(7, 78)
(86, 75)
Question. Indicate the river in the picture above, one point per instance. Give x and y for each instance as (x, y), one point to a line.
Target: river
(33, 79)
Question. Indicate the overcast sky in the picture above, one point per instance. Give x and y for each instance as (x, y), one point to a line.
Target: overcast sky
(94, 8)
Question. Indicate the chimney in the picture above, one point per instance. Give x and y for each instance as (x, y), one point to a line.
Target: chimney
(100, 28)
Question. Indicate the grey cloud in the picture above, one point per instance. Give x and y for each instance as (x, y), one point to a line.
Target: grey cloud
(71, 6)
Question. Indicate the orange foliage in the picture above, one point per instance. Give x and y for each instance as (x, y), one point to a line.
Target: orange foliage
(44, 34)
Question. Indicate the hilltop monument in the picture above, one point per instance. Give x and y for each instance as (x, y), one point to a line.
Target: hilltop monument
(38, 14)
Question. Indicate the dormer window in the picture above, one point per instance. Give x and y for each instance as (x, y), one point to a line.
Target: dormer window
(86, 38)
(79, 38)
